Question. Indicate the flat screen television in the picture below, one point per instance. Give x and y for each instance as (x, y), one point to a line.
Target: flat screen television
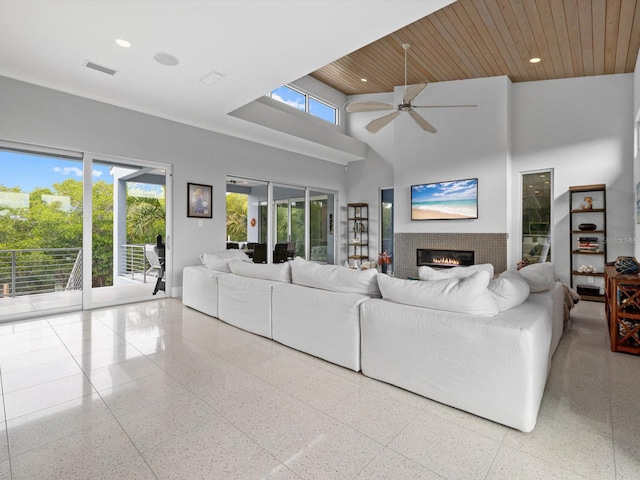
(453, 200)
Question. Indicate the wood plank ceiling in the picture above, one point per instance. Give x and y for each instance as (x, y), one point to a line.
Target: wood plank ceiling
(485, 38)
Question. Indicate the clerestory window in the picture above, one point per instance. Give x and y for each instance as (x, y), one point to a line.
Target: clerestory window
(305, 102)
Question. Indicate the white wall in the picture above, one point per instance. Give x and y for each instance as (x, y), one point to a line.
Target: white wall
(582, 129)
(41, 116)
(470, 143)
(366, 177)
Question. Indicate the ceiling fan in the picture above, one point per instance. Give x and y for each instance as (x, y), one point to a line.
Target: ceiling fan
(410, 93)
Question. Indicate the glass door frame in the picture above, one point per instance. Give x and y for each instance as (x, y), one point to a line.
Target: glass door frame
(273, 228)
(87, 225)
(52, 153)
(271, 236)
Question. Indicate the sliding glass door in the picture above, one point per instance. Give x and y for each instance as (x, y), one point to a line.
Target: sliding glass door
(129, 222)
(290, 217)
(41, 206)
(76, 231)
(287, 221)
(321, 227)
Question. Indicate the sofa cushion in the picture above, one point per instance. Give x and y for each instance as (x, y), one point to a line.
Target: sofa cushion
(539, 276)
(463, 295)
(428, 273)
(220, 260)
(334, 278)
(280, 272)
(509, 289)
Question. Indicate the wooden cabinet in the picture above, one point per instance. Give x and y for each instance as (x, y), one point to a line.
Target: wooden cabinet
(588, 205)
(358, 231)
(622, 307)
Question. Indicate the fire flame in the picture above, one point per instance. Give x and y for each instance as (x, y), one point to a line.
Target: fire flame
(446, 261)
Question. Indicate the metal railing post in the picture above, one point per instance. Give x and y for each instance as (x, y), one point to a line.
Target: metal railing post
(13, 273)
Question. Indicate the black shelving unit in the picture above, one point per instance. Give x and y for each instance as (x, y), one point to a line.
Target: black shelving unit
(588, 247)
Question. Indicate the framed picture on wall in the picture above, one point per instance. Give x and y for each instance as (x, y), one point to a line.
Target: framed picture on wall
(199, 200)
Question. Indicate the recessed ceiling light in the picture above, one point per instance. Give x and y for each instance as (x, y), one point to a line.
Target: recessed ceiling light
(535, 59)
(363, 79)
(122, 42)
(166, 59)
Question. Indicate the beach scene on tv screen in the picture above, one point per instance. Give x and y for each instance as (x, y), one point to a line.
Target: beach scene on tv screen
(456, 199)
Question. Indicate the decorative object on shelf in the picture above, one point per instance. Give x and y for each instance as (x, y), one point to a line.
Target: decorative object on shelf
(588, 290)
(587, 227)
(359, 227)
(627, 265)
(588, 244)
(587, 204)
(587, 269)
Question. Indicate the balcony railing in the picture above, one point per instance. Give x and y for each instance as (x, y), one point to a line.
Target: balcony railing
(40, 270)
(133, 261)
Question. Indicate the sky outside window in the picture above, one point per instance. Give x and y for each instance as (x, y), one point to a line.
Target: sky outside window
(297, 99)
(32, 171)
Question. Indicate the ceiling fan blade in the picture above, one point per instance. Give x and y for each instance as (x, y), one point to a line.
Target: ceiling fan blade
(441, 106)
(422, 122)
(375, 125)
(367, 106)
(413, 91)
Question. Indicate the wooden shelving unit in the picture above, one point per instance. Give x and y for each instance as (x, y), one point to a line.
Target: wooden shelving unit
(597, 256)
(622, 307)
(358, 231)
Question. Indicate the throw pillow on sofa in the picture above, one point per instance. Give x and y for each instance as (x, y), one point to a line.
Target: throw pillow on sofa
(510, 289)
(334, 278)
(468, 295)
(428, 273)
(280, 272)
(539, 276)
(220, 260)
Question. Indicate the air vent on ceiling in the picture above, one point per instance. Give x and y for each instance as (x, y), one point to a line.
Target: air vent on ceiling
(100, 68)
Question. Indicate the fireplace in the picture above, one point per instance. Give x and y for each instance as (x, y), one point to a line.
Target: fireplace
(444, 258)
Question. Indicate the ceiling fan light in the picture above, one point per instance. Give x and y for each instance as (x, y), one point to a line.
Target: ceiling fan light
(535, 60)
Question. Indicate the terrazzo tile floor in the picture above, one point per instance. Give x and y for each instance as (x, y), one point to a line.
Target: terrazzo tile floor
(155, 390)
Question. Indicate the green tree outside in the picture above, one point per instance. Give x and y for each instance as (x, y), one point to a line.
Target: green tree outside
(54, 225)
(237, 204)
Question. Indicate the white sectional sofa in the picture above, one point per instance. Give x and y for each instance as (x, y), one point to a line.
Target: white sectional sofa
(463, 350)
(495, 367)
(324, 324)
(246, 303)
(202, 289)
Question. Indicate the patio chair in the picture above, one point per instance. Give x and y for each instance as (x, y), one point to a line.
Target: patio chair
(151, 253)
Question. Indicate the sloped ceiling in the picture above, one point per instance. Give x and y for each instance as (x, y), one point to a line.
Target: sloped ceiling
(485, 38)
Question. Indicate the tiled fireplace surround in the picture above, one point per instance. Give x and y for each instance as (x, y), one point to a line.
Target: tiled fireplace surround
(488, 248)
